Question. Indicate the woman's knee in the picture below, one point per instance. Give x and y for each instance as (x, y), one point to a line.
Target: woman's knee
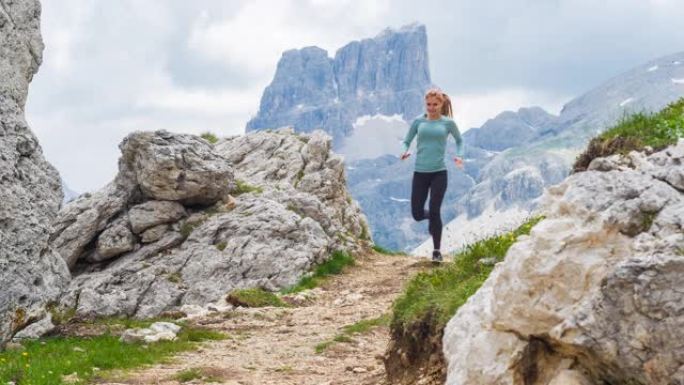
(418, 214)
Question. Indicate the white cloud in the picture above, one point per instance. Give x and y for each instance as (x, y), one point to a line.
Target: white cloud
(254, 38)
(161, 94)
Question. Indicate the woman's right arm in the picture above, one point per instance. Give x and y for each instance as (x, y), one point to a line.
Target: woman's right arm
(413, 130)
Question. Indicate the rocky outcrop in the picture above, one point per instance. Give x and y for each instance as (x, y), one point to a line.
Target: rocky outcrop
(386, 75)
(593, 294)
(153, 167)
(185, 222)
(31, 273)
(303, 174)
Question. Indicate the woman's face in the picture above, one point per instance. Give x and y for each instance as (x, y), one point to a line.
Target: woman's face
(433, 105)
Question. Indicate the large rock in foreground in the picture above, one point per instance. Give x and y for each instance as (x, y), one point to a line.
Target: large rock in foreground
(593, 295)
(31, 273)
(184, 222)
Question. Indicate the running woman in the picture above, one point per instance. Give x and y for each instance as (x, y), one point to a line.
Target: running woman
(430, 175)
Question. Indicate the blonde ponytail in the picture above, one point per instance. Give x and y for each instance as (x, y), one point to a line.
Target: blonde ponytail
(446, 106)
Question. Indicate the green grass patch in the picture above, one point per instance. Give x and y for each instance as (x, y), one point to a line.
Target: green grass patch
(332, 266)
(320, 348)
(342, 338)
(443, 290)
(256, 297)
(221, 246)
(175, 277)
(365, 325)
(118, 323)
(647, 221)
(209, 137)
(300, 175)
(187, 228)
(45, 361)
(243, 187)
(635, 132)
(60, 315)
(188, 375)
(385, 251)
(348, 331)
(293, 208)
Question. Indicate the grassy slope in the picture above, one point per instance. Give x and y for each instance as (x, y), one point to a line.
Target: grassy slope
(45, 361)
(635, 132)
(443, 290)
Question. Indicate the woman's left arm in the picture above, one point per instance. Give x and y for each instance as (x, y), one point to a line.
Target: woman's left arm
(453, 130)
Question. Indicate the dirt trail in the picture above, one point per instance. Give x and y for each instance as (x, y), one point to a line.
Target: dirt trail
(271, 346)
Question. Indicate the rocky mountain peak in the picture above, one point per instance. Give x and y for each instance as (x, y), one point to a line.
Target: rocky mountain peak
(387, 74)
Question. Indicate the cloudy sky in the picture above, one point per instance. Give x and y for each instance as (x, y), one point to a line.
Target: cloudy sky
(112, 67)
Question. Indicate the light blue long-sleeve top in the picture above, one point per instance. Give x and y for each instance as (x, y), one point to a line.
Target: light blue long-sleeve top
(431, 143)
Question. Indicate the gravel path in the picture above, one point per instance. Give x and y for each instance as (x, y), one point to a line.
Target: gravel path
(269, 346)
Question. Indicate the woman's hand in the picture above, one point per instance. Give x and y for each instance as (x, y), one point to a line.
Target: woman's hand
(405, 155)
(459, 162)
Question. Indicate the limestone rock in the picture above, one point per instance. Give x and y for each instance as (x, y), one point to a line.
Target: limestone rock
(263, 244)
(300, 172)
(81, 221)
(31, 272)
(592, 294)
(158, 331)
(176, 167)
(298, 214)
(154, 233)
(152, 213)
(116, 239)
(36, 330)
(120, 288)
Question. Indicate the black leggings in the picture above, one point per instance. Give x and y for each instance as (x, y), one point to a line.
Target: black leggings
(436, 183)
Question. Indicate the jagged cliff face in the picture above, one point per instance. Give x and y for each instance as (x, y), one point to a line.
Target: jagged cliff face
(592, 295)
(385, 75)
(178, 226)
(31, 274)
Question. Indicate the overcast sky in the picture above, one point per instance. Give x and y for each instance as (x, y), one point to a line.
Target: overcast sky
(112, 67)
